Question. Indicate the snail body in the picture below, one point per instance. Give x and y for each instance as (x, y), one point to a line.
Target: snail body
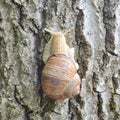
(60, 79)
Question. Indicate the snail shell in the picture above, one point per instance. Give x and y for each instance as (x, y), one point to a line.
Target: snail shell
(59, 77)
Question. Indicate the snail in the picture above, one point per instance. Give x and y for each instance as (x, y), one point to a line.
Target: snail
(60, 79)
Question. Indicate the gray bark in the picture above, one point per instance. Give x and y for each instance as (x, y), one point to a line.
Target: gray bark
(96, 38)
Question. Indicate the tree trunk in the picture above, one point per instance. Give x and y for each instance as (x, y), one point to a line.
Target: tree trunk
(96, 39)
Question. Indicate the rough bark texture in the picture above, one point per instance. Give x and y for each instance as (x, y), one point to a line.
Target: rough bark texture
(96, 38)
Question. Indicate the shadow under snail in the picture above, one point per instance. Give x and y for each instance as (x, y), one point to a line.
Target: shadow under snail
(60, 79)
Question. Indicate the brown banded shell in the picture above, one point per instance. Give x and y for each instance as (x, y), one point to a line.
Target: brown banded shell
(59, 77)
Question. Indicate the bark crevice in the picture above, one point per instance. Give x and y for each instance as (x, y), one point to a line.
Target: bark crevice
(84, 48)
(21, 14)
(20, 101)
(74, 111)
(109, 24)
(113, 106)
(100, 109)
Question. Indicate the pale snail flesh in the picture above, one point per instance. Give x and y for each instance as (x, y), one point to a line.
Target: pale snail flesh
(60, 79)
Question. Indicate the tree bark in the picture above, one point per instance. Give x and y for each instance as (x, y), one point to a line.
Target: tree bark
(96, 39)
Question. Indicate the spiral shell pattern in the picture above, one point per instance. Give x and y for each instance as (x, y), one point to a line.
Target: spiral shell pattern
(59, 77)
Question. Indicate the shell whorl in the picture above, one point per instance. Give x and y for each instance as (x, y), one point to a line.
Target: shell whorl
(59, 78)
